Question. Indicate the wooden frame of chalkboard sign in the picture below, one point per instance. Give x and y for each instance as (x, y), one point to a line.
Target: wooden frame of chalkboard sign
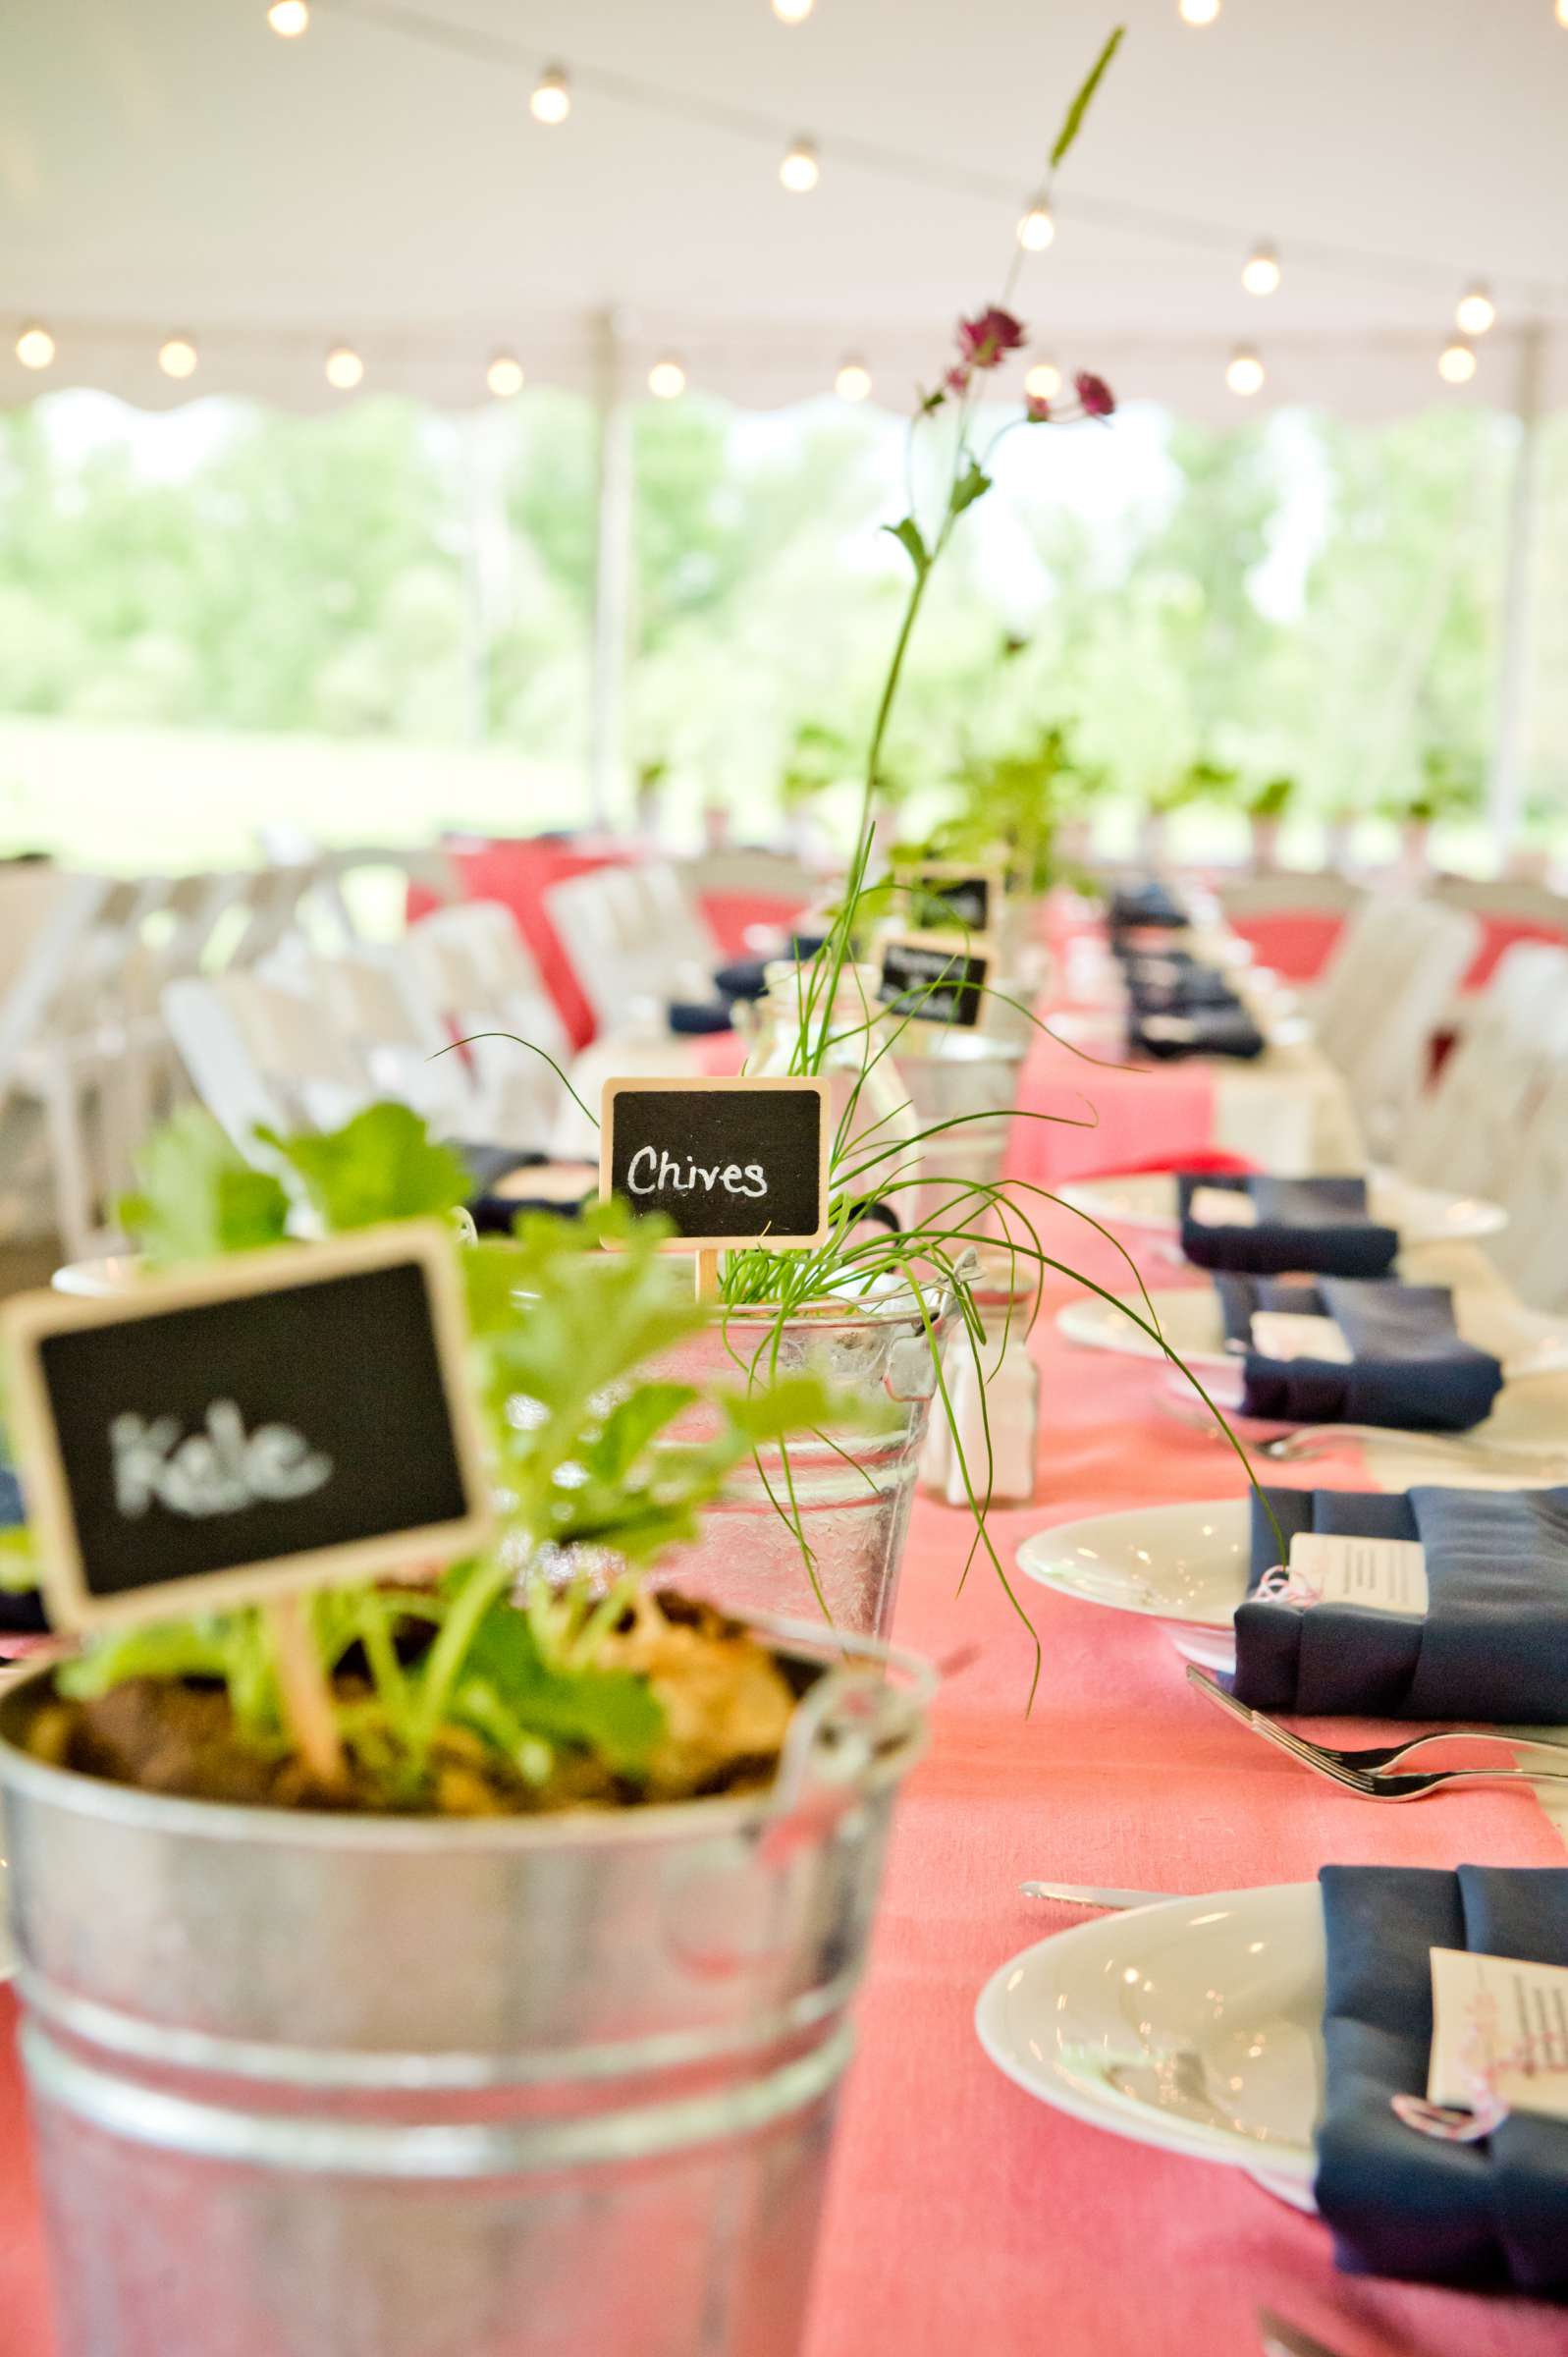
(934, 998)
(943, 879)
(733, 1178)
(78, 1369)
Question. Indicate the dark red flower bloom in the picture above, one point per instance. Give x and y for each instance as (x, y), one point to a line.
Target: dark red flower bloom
(1095, 395)
(984, 339)
(1037, 408)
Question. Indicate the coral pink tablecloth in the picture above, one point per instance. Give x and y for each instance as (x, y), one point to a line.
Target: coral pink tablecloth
(1077, 1118)
(964, 2217)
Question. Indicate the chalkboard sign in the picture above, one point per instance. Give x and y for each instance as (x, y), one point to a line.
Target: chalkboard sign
(277, 1421)
(728, 1161)
(925, 977)
(946, 893)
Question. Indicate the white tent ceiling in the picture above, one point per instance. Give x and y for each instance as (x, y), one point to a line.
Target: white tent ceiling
(172, 165)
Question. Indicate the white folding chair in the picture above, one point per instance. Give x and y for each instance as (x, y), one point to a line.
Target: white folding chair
(1462, 1135)
(80, 1046)
(258, 1052)
(1384, 994)
(376, 999)
(1533, 1249)
(477, 970)
(631, 945)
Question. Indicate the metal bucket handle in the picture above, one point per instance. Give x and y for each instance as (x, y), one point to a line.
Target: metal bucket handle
(840, 1725)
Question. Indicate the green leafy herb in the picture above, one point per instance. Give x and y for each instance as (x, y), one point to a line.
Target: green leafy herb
(199, 1196)
(383, 1165)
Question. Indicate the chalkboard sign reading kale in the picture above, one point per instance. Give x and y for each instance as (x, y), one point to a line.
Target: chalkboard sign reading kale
(925, 977)
(273, 1422)
(946, 896)
(728, 1161)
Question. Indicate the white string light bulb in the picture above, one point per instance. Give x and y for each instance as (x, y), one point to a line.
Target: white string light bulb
(1036, 227)
(177, 357)
(1260, 272)
(505, 375)
(1044, 381)
(667, 380)
(793, 12)
(800, 170)
(1199, 12)
(344, 368)
(1562, 14)
(288, 19)
(1456, 364)
(34, 347)
(551, 98)
(1474, 311)
(853, 381)
(1245, 372)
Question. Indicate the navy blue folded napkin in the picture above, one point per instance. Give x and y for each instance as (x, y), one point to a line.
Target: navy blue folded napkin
(1177, 992)
(747, 977)
(495, 1214)
(1315, 1223)
(1401, 2204)
(1492, 1644)
(693, 1018)
(1147, 903)
(1409, 1368)
(1205, 1032)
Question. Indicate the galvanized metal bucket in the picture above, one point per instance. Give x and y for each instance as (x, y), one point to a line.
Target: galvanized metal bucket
(332, 2085)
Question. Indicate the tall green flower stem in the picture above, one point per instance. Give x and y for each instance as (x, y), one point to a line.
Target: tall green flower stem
(968, 481)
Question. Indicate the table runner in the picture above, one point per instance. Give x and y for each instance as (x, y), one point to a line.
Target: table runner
(963, 2215)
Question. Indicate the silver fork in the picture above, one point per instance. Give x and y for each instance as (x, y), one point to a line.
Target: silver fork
(1315, 1440)
(1365, 1784)
(1297, 1441)
(1373, 1758)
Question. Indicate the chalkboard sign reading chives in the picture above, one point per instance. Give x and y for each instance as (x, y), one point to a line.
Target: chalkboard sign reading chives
(947, 894)
(731, 1161)
(926, 976)
(274, 1422)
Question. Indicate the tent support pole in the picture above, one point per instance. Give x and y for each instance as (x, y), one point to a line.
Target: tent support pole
(612, 585)
(1510, 763)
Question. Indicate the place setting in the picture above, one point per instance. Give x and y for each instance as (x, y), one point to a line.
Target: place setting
(1383, 2047)
(1282, 1222)
(1306, 1333)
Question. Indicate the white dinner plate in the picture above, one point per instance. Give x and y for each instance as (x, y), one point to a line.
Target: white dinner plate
(1147, 1200)
(1182, 1566)
(1189, 1320)
(1524, 1340)
(1195, 2026)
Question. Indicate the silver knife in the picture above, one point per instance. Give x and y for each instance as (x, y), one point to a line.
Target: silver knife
(1281, 2340)
(1088, 1894)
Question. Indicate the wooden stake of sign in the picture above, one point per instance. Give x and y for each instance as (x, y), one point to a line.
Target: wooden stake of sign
(306, 1694)
(707, 1273)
